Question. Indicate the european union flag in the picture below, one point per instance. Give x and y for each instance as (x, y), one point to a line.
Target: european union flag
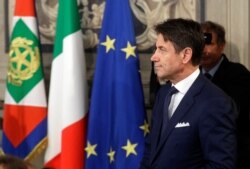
(117, 119)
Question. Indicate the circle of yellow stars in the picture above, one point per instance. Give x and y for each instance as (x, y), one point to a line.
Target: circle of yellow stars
(130, 147)
(110, 45)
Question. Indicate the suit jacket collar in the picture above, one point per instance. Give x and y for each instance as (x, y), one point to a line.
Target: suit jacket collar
(221, 70)
(221, 67)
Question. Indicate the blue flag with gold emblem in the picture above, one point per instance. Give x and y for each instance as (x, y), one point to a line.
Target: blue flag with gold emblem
(117, 119)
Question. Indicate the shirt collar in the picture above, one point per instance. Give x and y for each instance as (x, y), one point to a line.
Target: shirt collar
(214, 69)
(183, 85)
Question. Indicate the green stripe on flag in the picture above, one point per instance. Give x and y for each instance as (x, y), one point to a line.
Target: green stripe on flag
(67, 23)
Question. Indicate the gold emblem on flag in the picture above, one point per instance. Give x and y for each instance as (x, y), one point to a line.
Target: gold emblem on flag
(24, 60)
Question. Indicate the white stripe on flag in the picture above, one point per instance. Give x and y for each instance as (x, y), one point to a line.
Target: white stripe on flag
(32, 98)
(30, 21)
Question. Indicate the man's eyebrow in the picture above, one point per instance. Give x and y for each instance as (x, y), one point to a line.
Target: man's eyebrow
(161, 47)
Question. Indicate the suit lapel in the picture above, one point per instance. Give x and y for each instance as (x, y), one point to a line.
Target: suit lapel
(182, 109)
(159, 118)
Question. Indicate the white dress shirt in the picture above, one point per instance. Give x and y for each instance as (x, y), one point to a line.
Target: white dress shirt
(182, 86)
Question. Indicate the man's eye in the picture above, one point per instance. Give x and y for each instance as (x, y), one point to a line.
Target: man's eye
(162, 50)
(159, 50)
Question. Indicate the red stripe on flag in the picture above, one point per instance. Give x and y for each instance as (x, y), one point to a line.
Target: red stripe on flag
(72, 145)
(19, 121)
(25, 8)
(72, 151)
(54, 162)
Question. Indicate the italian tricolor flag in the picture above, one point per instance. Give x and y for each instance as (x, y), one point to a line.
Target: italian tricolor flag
(25, 106)
(67, 96)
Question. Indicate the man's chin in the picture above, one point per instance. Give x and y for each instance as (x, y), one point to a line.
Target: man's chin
(204, 63)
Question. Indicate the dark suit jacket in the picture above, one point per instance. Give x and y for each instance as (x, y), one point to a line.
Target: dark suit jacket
(207, 141)
(234, 79)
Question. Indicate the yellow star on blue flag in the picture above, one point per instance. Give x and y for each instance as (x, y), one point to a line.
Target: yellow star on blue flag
(90, 149)
(130, 148)
(109, 43)
(111, 155)
(129, 50)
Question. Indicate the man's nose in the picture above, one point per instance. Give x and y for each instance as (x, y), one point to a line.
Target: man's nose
(154, 57)
(206, 49)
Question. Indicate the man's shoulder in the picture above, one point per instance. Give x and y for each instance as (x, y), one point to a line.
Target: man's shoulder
(229, 69)
(233, 66)
(207, 88)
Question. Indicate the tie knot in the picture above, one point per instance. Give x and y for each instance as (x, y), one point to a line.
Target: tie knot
(208, 75)
(172, 91)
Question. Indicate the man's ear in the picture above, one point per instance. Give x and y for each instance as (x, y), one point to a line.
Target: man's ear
(221, 47)
(187, 55)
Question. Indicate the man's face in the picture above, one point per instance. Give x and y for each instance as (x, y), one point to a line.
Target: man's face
(167, 63)
(212, 53)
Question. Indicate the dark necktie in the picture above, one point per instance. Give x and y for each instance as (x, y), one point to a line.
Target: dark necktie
(166, 115)
(208, 76)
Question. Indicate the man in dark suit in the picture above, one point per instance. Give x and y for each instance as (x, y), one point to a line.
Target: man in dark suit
(234, 79)
(197, 129)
